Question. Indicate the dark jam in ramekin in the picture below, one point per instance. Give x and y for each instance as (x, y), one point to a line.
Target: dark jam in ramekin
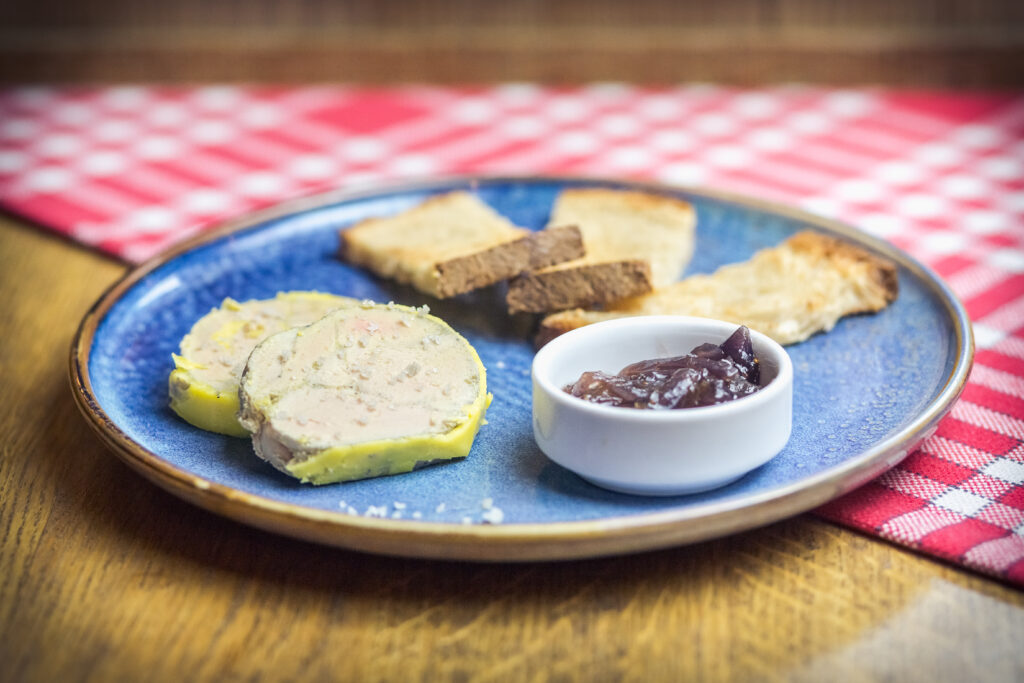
(707, 375)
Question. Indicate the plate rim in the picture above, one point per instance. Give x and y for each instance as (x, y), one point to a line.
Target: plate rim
(532, 541)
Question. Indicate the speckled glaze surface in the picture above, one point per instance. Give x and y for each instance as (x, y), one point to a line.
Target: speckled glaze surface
(863, 393)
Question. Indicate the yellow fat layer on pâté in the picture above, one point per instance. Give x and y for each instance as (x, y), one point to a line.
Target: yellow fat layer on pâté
(214, 406)
(392, 456)
(203, 406)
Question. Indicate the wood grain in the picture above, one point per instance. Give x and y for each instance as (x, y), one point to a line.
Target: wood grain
(976, 43)
(106, 577)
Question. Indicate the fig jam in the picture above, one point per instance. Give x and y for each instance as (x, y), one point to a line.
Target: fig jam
(707, 375)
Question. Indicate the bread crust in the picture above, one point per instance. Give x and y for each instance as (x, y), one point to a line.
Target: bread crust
(582, 285)
(622, 231)
(453, 243)
(504, 261)
(882, 273)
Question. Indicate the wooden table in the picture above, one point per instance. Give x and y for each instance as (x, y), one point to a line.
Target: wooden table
(104, 576)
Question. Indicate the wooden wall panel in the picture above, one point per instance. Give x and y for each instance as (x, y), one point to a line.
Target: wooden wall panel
(976, 43)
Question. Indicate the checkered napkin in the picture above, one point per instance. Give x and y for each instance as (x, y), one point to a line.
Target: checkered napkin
(130, 171)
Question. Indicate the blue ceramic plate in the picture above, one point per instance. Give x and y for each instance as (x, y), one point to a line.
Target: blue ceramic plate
(864, 393)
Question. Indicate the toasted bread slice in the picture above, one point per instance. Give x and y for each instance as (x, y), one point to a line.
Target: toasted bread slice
(453, 243)
(788, 292)
(634, 241)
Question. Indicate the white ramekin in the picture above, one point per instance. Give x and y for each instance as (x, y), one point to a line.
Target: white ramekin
(657, 452)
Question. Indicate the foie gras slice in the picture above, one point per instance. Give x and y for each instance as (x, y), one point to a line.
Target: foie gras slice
(203, 386)
(366, 391)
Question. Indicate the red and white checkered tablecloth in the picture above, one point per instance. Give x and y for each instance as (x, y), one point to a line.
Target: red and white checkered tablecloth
(941, 175)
